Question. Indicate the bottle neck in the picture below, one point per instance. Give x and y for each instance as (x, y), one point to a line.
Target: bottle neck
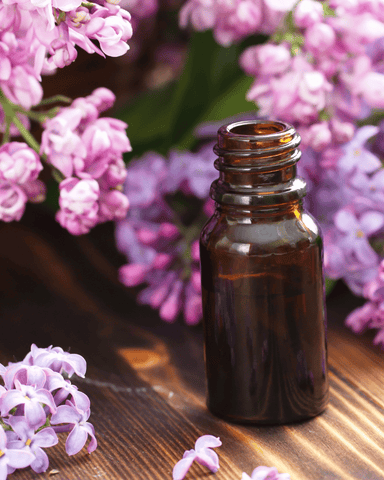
(278, 210)
(257, 164)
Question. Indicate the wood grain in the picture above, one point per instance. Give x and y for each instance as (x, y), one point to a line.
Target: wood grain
(146, 378)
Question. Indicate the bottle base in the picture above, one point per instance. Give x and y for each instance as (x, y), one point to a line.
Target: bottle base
(297, 418)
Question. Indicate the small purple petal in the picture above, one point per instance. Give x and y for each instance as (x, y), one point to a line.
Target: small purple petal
(80, 399)
(371, 222)
(54, 381)
(19, 458)
(41, 461)
(45, 397)
(345, 221)
(207, 441)
(45, 438)
(88, 427)
(22, 428)
(181, 468)
(65, 414)
(10, 400)
(208, 458)
(34, 413)
(31, 375)
(3, 439)
(76, 440)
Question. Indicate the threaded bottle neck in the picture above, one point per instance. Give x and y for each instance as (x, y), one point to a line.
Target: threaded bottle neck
(257, 164)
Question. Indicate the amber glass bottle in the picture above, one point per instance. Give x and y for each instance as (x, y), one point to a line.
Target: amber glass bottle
(262, 282)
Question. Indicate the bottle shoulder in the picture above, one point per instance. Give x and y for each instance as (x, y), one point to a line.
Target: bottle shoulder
(255, 235)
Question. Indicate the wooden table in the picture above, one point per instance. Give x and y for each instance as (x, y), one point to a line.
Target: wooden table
(145, 378)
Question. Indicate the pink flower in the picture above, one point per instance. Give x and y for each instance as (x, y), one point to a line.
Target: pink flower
(297, 95)
(371, 88)
(112, 32)
(113, 205)
(60, 140)
(202, 454)
(12, 201)
(19, 163)
(57, 360)
(22, 87)
(102, 98)
(102, 139)
(267, 59)
(78, 205)
(62, 52)
(35, 190)
(307, 13)
(319, 38)
(318, 136)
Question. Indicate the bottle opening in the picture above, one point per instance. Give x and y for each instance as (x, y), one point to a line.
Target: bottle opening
(257, 137)
(251, 129)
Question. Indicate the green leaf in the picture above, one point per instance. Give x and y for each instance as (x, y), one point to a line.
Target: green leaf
(329, 285)
(52, 197)
(149, 119)
(209, 71)
(231, 102)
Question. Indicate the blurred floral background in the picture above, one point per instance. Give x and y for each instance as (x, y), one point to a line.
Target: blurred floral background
(174, 71)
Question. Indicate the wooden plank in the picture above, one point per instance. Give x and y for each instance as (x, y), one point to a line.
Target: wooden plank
(146, 378)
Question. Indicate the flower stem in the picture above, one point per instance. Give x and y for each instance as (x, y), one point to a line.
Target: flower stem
(10, 111)
(28, 137)
(55, 99)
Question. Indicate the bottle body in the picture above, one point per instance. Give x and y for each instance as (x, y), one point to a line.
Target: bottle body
(263, 303)
(264, 318)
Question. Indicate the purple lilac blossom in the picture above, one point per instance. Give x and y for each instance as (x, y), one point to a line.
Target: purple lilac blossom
(202, 454)
(322, 71)
(160, 235)
(36, 396)
(88, 152)
(25, 435)
(266, 473)
(57, 360)
(345, 196)
(233, 21)
(35, 39)
(79, 428)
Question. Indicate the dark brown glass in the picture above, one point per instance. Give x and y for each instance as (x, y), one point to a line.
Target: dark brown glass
(262, 282)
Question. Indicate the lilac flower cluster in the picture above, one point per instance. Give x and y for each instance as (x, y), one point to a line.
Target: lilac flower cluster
(233, 21)
(322, 71)
(168, 207)
(203, 455)
(87, 151)
(39, 37)
(36, 402)
(347, 197)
